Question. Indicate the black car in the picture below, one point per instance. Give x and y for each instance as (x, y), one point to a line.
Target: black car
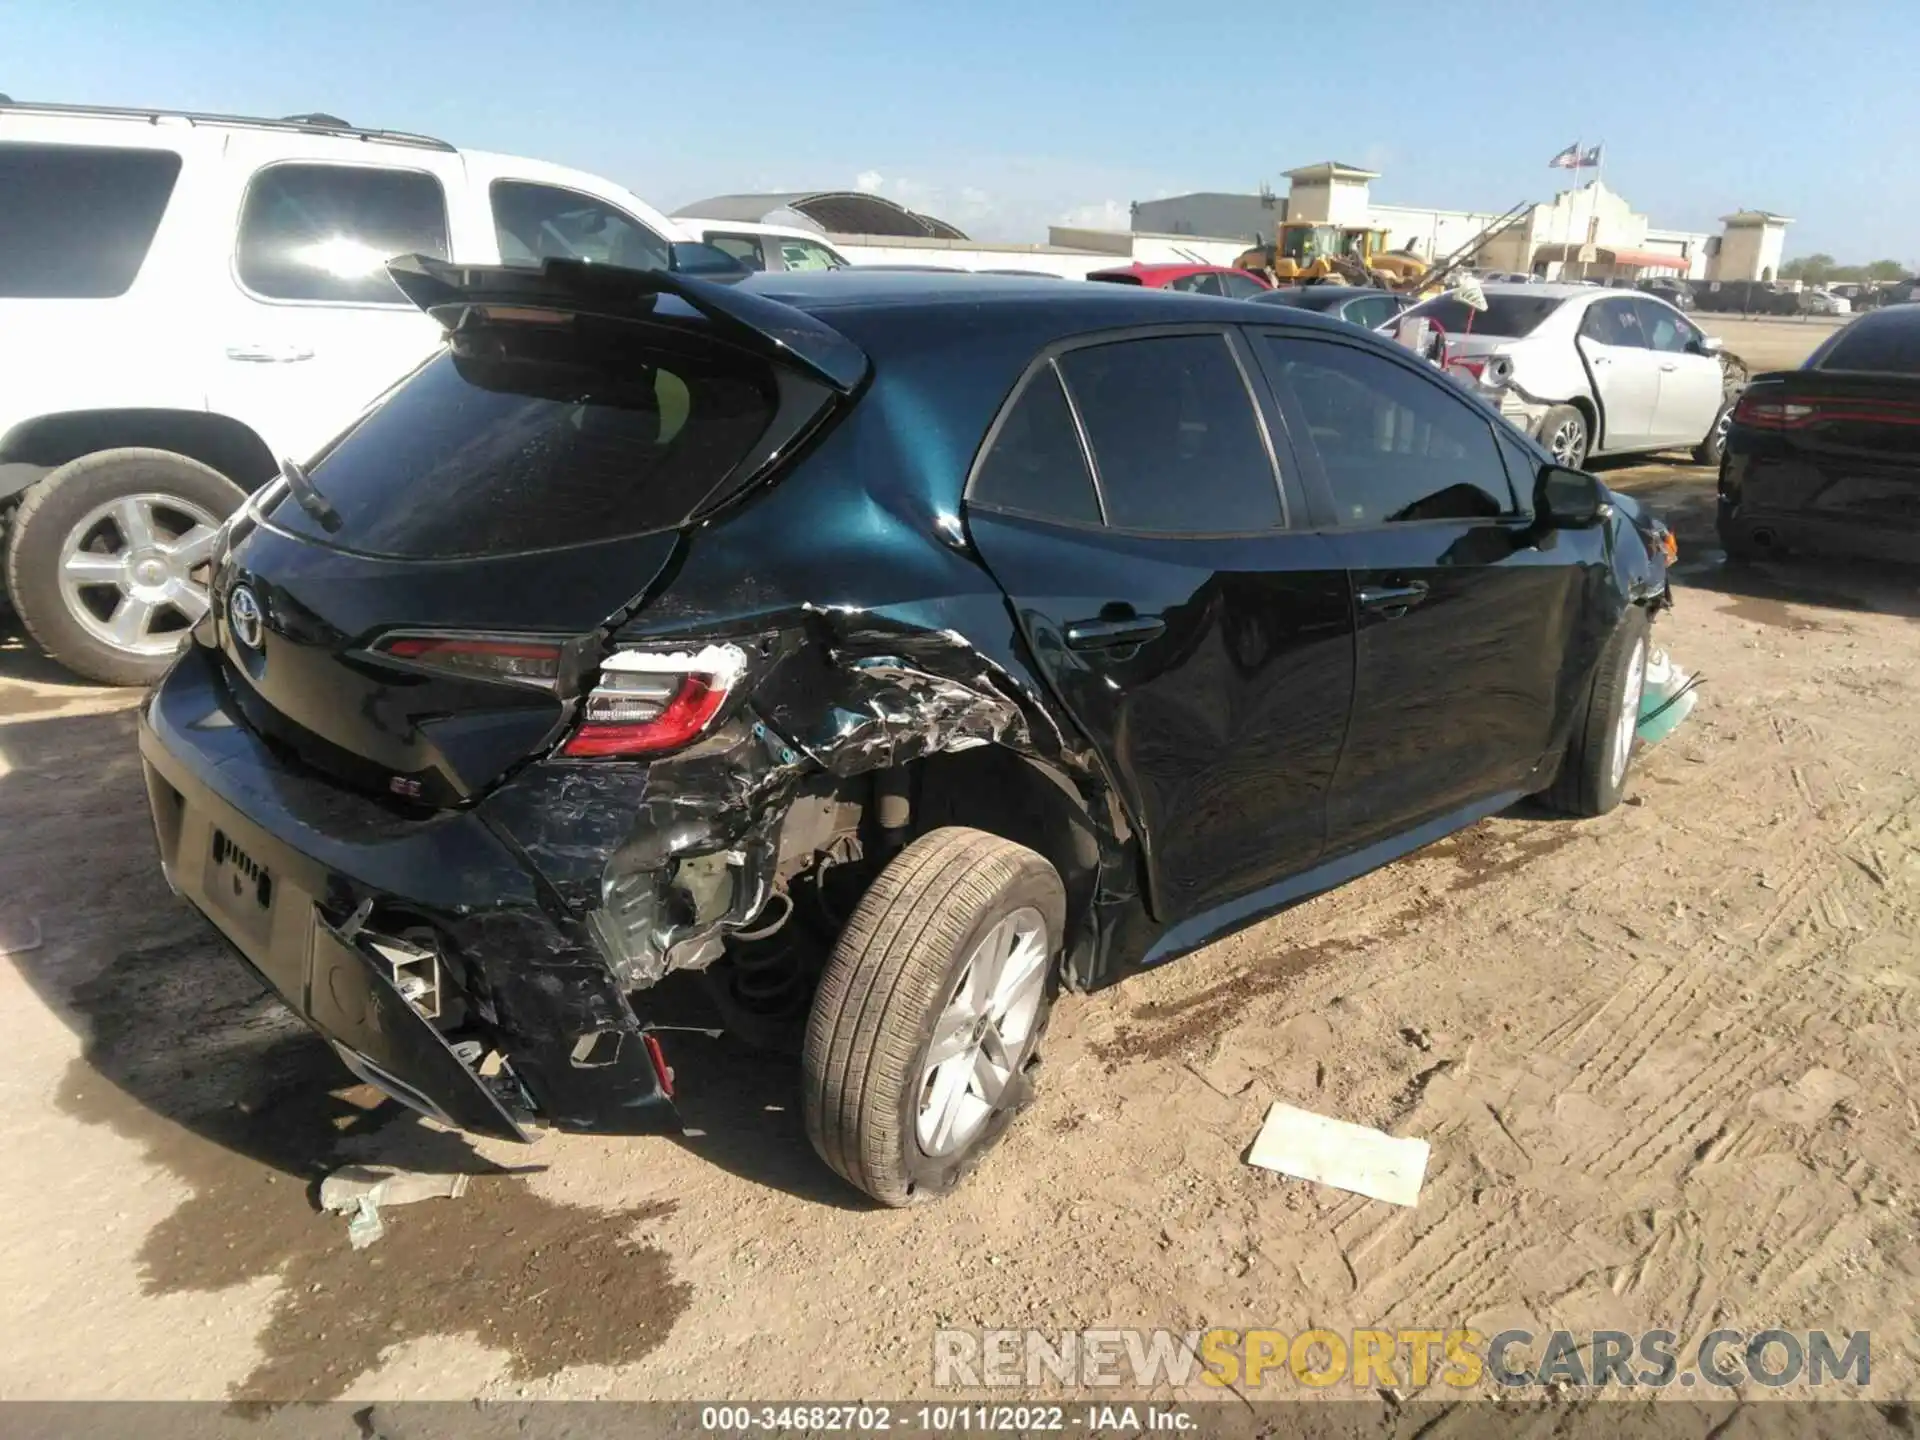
(1826, 458)
(896, 649)
(1677, 293)
(1356, 304)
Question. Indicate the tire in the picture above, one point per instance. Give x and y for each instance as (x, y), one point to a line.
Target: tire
(1567, 436)
(869, 1092)
(73, 517)
(1594, 771)
(1709, 450)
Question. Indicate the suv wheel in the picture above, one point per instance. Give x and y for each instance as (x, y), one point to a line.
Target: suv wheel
(1564, 432)
(1593, 774)
(926, 1026)
(107, 560)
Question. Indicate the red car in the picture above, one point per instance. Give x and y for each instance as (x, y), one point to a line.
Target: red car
(1196, 279)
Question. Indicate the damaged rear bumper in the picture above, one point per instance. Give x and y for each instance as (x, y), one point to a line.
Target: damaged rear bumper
(423, 949)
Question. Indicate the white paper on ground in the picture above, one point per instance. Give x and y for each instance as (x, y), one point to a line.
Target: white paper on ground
(1333, 1152)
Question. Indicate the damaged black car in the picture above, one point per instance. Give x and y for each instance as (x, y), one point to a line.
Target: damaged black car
(896, 651)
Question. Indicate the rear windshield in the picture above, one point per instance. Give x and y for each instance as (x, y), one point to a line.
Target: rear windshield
(1511, 315)
(76, 221)
(564, 439)
(1889, 345)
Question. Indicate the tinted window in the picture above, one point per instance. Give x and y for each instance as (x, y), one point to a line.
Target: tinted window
(1664, 329)
(326, 232)
(1523, 466)
(1176, 443)
(1505, 314)
(546, 440)
(1370, 310)
(806, 255)
(1613, 322)
(1204, 284)
(536, 222)
(744, 248)
(1888, 343)
(1242, 287)
(1395, 445)
(75, 222)
(1036, 465)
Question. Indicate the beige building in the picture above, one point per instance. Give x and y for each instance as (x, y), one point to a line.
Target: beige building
(1750, 247)
(1586, 232)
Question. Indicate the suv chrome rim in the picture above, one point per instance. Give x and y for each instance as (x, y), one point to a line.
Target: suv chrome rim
(1629, 720)
(981, 1039)
(133, 571)
(1568, 443)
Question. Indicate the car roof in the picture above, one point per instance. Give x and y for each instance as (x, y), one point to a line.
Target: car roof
(1073, 306)
(1559, 290)
(1312, 297)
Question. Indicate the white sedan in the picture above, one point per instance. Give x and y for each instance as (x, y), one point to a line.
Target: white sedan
(1589, 371)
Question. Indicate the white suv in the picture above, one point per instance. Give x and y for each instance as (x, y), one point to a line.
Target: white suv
(186, 300)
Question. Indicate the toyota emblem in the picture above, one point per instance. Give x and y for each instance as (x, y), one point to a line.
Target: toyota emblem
(243, 614)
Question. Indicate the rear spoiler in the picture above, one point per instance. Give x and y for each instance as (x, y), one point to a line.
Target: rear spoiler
(779, 332)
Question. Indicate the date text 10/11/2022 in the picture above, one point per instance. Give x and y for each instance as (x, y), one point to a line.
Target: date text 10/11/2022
(947, 1419)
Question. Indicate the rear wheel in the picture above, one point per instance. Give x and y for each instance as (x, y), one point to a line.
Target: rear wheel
(1565, 434)
(925, 1030)
(1709, 450)
(107, 559)
(1593, 773)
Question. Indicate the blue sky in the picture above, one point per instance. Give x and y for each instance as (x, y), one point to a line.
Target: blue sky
(1004, 116)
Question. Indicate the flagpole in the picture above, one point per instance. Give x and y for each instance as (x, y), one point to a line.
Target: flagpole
(1567, 243)
(1599, 170)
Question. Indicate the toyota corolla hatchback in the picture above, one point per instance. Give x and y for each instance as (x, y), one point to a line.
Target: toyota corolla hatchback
(897, 650)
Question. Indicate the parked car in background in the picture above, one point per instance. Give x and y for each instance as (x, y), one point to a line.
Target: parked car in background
(1356, 304)
(765, 247)
(1745, 297)
(1589, 371)
(189, 300)
(1677, 293)
(465, 817)
(1826, 458)
(1192, 279)
(1824, 302)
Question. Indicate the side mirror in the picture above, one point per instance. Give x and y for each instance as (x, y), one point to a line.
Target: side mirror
(693, 257)
(1709, 345)
(1566, 499)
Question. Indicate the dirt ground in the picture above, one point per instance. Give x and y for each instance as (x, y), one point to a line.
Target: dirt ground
(1664, 1060)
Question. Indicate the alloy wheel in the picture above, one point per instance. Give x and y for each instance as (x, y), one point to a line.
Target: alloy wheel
(983, 1037)
(1568, 443)
(133, 572)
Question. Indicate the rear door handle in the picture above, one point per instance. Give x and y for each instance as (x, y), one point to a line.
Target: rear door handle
(1108, 634)
(1392, 599)
(269, 354)
(1669, 367)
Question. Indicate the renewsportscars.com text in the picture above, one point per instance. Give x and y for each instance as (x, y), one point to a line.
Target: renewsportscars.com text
(1369, 1359)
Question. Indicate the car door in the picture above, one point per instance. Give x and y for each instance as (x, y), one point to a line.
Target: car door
(1691, 385)
(313, 330)
(1129, 500)
(1625, 373)
(1464, 614)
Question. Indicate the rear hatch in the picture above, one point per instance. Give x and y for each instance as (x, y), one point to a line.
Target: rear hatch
(418, 611)
(1845, 446)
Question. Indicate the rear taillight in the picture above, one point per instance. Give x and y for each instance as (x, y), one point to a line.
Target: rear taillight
(522, 660)
(1473, 369)
(1761, 413)
(646, 703)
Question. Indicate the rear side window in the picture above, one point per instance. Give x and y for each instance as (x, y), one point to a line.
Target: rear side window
(326, 232)
(1888, 343)
(543, 441)
(1177, 447)
(1395, 446)
(1036, 465)
(76, 221)
(1205, 283)
(1664, 329)
(539, 222)
(1242, 287)
(1509, 315)
(744, 248)
(1614, 322)
(805, 255)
